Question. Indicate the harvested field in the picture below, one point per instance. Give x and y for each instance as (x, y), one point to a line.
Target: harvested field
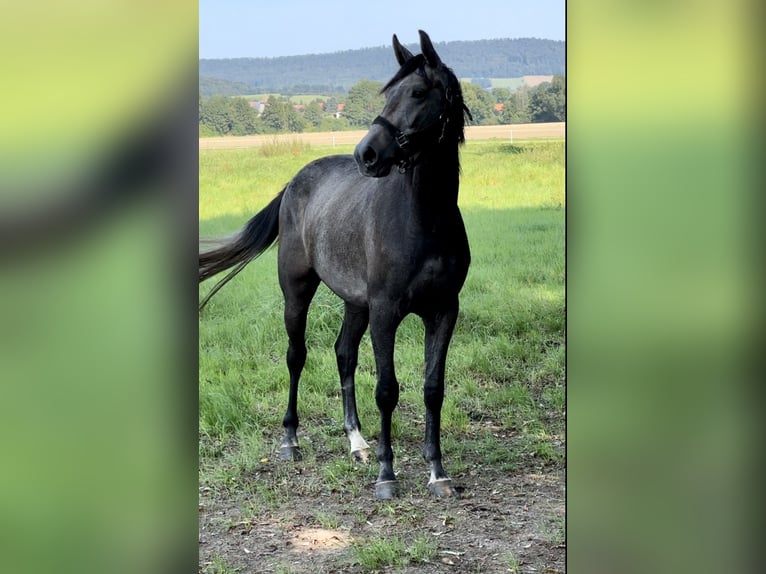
(508, 132)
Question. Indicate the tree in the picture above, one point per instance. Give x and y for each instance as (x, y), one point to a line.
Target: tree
(313, 114)
(547, 101)
(242, 117)
(221, 115)
(331, 106)
(295, 122)
(364, 103)
(501, 95)
(214, 113)
(480, 103)
(333, 124)
(516, 107)
(280, 116)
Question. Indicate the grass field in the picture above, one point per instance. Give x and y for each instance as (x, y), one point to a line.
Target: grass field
(505, 394)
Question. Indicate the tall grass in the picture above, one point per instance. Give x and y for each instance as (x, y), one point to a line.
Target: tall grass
(506, 363)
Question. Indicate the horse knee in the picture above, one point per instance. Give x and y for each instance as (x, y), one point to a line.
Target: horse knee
(296, 357)
(387, 396)
(433, 395)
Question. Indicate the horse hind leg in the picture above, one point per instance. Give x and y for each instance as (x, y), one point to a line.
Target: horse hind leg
(298, 295)
(355, 320)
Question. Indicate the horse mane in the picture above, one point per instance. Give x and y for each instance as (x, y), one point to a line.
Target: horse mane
(457, 110)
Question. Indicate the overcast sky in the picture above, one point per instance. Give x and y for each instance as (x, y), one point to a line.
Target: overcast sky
(269, 28)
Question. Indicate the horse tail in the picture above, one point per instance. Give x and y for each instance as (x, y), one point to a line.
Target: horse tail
(254, 238)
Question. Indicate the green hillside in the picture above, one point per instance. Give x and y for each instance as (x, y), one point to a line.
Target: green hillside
(336, 72)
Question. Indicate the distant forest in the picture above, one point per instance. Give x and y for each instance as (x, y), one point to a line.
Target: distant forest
(236, 115)
(337, 72)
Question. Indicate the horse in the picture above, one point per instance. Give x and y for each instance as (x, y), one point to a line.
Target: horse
(388, 242)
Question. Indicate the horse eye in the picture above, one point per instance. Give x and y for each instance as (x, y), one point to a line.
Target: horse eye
(417, 93)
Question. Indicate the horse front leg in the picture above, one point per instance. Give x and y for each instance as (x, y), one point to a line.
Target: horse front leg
(438, 333)
(383, 333)
(355, 321)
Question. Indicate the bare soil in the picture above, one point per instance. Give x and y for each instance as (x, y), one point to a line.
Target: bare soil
(504, 521)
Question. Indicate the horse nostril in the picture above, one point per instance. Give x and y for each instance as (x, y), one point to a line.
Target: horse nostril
(369, 156)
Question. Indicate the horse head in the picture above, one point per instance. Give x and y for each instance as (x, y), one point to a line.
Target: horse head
(424, 110)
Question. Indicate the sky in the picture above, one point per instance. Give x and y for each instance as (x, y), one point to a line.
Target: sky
(271, 28)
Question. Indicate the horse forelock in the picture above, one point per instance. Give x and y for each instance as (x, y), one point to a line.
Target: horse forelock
(413, 64)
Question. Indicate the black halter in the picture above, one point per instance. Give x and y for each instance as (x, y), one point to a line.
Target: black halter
(410, 143)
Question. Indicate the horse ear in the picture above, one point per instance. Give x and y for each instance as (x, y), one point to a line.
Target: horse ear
(402, 53)
(428, 50)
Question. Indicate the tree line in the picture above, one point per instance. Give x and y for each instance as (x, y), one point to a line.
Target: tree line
(225, 115)
(500, 58)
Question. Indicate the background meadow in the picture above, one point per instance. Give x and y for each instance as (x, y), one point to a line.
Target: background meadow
(506, 364)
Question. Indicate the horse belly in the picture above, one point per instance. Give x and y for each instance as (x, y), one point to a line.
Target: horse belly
(342, 268)
(334, 239)
(346, 285)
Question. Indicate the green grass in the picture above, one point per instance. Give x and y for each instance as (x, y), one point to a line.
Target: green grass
(513, 563)
(391, 551)
(505, 371)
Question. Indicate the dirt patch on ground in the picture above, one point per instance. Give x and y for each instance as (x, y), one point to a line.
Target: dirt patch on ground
(504, 521)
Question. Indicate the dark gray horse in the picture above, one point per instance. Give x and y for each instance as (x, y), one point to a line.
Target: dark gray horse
(388, 241)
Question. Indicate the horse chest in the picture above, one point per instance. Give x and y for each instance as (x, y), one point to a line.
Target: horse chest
(436, 275)
(421, 265)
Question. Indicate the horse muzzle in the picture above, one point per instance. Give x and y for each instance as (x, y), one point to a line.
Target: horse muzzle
(375, 154)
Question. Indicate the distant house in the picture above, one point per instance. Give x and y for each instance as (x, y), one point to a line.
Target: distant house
(341, 107)
(257, 105)
(499, 108)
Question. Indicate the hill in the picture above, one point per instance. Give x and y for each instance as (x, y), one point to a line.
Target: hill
(338, 71)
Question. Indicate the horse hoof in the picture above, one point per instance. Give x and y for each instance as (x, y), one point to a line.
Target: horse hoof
(443, 488)
(361, 455)
(386, 490)
(290, 453)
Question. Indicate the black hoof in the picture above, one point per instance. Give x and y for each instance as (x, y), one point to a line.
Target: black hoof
(443, 488)
(290, 453)
(386, 490)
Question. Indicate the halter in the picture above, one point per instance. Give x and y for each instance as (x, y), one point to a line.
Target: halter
(405, 141)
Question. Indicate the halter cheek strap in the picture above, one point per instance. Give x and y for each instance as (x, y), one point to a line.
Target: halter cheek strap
(404, 141)
(401, 139)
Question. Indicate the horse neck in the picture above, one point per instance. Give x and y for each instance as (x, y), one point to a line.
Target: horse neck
(436, 178)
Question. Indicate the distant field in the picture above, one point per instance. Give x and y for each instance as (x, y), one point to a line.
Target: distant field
(515, 83)
(511, 133)
(296, 99)
(507, 83)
